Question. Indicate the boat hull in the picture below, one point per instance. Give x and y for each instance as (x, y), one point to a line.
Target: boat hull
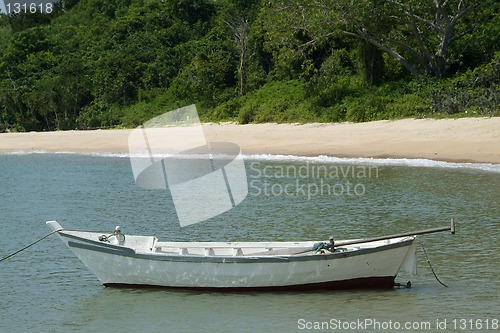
(379, 282)
(120, 266)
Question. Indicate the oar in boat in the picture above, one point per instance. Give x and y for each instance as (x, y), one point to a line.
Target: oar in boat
(451, 228)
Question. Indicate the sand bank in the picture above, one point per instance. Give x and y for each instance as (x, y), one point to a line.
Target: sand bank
(460, 140)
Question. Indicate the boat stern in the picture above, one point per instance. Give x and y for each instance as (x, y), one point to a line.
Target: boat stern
(409, 263)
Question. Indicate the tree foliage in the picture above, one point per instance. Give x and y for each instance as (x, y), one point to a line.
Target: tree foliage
(97, 63)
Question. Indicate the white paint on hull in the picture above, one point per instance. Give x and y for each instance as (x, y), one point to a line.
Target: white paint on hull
(140, 262)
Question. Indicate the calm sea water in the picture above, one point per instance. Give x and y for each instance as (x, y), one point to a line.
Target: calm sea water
(46, 289)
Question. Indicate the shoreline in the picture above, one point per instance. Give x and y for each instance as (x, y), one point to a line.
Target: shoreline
(470, 140)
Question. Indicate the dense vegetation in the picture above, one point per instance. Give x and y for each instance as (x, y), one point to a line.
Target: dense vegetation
(107, 63)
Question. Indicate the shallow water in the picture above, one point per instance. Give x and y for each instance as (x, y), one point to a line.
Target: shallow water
(46, 289)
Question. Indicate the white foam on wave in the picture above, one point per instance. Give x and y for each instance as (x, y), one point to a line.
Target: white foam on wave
(408, 162)
(24, 152)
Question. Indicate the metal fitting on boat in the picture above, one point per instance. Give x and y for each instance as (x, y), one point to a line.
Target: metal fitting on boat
(332, 243)
(119, 237)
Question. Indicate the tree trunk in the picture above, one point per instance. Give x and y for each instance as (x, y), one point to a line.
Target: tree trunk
(240, 29)
(373, 63)
(393, 53)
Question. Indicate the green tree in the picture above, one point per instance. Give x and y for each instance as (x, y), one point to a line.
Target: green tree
(102, 63)
(418, 34)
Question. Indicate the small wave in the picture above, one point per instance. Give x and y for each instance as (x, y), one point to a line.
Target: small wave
(24, 152)
(408, 162)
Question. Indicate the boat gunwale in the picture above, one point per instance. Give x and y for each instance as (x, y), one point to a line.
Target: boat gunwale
(125, 251)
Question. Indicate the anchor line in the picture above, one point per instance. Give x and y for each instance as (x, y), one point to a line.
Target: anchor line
(29, 245)
(430, 265)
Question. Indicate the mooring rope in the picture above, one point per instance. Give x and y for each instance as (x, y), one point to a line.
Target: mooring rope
(430, 265)
(27, 246)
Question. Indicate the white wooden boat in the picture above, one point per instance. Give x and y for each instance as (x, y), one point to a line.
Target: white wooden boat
(140, 261)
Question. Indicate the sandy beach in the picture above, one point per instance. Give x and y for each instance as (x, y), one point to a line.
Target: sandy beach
(460, 140)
